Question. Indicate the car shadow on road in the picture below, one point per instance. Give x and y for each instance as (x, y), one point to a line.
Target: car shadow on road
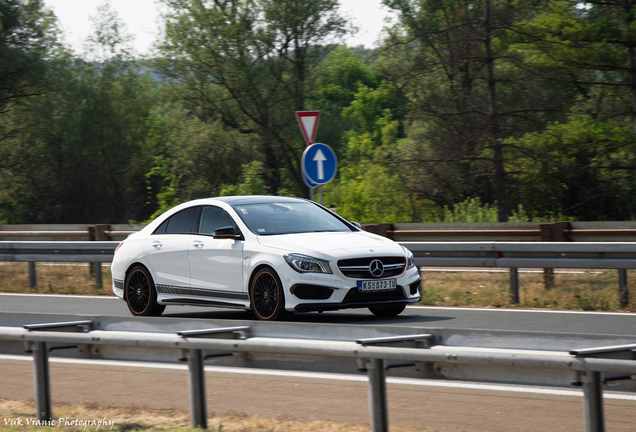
(362, 318)
(345, 317)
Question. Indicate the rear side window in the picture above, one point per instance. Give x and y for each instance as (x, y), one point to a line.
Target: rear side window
(180, 223)
(162, 227)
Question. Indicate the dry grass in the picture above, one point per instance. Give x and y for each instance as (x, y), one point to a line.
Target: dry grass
(584, 290)
(58, 278)
(131, 419)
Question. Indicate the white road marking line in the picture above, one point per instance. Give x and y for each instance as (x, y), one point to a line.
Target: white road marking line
(330, 376)
(623, 314)
(110, 296)
(451, 270)
(113, 297)
(60, 264)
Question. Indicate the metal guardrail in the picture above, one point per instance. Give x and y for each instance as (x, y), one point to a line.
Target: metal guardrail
(508, 231)
(515, 255)
(55, 251)
(371, 355)
(94, 252)
(68, 232)
(512, 255)
(525, 255)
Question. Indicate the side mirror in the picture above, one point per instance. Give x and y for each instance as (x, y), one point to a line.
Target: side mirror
(356, 224)
(224, 232)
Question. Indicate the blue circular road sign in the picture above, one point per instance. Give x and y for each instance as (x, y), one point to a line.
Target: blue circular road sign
(319, 164)
(307, 181)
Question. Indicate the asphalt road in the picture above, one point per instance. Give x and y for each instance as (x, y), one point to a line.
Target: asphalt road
(298, 398)
(309, 399)
(412, 317)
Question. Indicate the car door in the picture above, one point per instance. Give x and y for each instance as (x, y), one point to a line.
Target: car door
(167, 252)
(216, 265)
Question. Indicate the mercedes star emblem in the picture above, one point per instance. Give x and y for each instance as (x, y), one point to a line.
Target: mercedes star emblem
(376, 268)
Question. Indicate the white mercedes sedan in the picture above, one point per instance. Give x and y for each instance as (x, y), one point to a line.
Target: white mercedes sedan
(271, 255)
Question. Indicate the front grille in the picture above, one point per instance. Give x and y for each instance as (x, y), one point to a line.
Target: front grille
(358, 268)
(354, 296)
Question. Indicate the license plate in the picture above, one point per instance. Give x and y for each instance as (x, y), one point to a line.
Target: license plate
(377, 285)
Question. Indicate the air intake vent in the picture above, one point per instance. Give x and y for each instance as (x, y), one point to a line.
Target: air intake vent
(311, 292)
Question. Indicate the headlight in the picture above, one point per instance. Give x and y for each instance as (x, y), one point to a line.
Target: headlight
(307, 264)
(410, 263)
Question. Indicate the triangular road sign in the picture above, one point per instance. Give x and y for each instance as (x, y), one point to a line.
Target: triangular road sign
(308, 122)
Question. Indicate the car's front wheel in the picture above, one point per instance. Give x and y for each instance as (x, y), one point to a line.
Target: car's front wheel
(387, 311)
(140, 293)
(266, 296)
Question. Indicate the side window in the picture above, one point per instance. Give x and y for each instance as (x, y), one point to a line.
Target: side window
(213, 218)
(181, 223)
(162, 228)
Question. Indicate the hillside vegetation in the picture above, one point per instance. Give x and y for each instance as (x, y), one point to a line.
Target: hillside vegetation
(500, 110)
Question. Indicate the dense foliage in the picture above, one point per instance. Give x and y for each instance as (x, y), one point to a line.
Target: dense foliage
(467, 110)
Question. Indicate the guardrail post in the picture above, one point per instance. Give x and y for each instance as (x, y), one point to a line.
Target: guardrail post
(33, 283)
(97, 233)
(554, 232)
(623, 289)
(97, 269)
(196, 376)
(514, 285)
(548, 278)
(593, 402)
(42, 381)
(377, 396)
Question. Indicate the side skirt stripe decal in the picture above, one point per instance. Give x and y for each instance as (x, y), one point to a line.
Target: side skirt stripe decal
(170, 289)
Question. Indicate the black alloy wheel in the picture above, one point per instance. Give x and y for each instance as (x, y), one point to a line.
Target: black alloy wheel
(140, 293)
(387, 311)
(266, 296)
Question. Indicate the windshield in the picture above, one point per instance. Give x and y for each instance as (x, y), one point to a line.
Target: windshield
(288, 218)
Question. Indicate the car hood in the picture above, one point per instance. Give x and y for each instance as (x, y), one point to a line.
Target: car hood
(337, 245)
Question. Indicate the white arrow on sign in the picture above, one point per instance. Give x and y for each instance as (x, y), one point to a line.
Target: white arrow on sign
(320, 159)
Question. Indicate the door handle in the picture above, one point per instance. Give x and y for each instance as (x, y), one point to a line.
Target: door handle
(157, 244)
(198, 243)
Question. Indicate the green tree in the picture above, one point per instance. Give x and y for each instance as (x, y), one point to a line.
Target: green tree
(251, 64)
(582, 169)
(110, 39)
(251, 181)
(192, 159)
(339, 80)
(78, 154)
(28, 38)
(369, 188)
(466, 93)
(590, 46)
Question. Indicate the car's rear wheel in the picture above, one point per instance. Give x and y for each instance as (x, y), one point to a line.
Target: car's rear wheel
(387, 311)
(140, 293)
(266, 295)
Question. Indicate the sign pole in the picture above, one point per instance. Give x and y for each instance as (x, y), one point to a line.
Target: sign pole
(320, 191)
(311, 193)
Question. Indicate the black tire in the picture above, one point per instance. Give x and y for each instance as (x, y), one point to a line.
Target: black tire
(387, 311)
(140, 293)
(267, 298)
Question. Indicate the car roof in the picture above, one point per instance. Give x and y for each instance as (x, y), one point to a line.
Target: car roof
(257, 199)
(230, 200)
